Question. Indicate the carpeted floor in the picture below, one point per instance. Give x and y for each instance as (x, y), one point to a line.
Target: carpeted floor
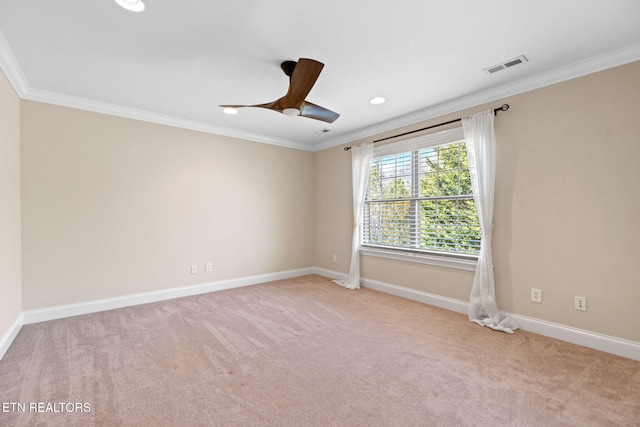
(305, 352)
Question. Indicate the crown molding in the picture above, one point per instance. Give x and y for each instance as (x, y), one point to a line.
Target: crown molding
(587, 66)
(11, 69)
(607, 60)
(132, 113)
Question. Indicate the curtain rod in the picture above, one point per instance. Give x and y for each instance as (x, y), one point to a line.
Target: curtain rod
(503, 107)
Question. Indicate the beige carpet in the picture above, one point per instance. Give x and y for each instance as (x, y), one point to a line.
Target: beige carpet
(305, 352)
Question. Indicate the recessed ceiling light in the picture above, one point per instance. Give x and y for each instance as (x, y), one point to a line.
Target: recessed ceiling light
(231, 111)
(377, 100)
(132, 5)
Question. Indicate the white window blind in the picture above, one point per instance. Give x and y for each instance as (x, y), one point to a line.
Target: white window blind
(420, 197)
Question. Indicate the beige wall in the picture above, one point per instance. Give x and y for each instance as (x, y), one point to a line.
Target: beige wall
(113, 206)
(566, 207)
(10, 252)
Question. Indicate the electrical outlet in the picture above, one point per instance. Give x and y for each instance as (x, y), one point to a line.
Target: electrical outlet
(335, 258)
(536, 295)
(194, 269)
(581, 303)
(208, 267)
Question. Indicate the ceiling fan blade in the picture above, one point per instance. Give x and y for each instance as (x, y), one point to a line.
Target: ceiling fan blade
(267, 105)
(304, 76)
(317, 112)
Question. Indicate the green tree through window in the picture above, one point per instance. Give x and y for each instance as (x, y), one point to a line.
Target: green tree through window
(422, 200)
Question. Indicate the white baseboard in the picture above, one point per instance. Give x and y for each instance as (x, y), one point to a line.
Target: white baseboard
(62, 311)
(424, 297)
(10, 335)
(331, 274)
(400, 291)
(606, 343)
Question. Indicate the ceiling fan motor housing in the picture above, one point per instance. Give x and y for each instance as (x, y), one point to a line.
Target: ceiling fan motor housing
(288, 67)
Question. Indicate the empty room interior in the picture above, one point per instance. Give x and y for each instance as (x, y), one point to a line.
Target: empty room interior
(241, 213)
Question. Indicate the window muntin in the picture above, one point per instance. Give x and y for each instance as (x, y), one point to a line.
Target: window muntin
(421, 201)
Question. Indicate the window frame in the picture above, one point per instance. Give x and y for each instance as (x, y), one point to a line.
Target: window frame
(441, 259)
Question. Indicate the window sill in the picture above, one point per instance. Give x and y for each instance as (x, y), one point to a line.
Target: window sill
(440, 261)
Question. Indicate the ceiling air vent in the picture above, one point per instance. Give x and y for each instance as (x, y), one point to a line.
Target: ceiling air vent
(506, 64)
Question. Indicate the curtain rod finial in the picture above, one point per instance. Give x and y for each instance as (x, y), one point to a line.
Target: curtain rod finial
(504, 107)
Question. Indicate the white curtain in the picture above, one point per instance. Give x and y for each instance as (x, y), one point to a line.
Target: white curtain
(480, 141)
(361, 156)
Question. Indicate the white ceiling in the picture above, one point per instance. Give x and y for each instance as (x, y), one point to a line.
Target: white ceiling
(177, 61)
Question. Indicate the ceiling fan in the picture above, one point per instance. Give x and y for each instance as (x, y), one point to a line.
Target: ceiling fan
(302, 76)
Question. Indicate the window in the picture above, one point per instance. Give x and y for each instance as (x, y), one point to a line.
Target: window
(420, 198)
